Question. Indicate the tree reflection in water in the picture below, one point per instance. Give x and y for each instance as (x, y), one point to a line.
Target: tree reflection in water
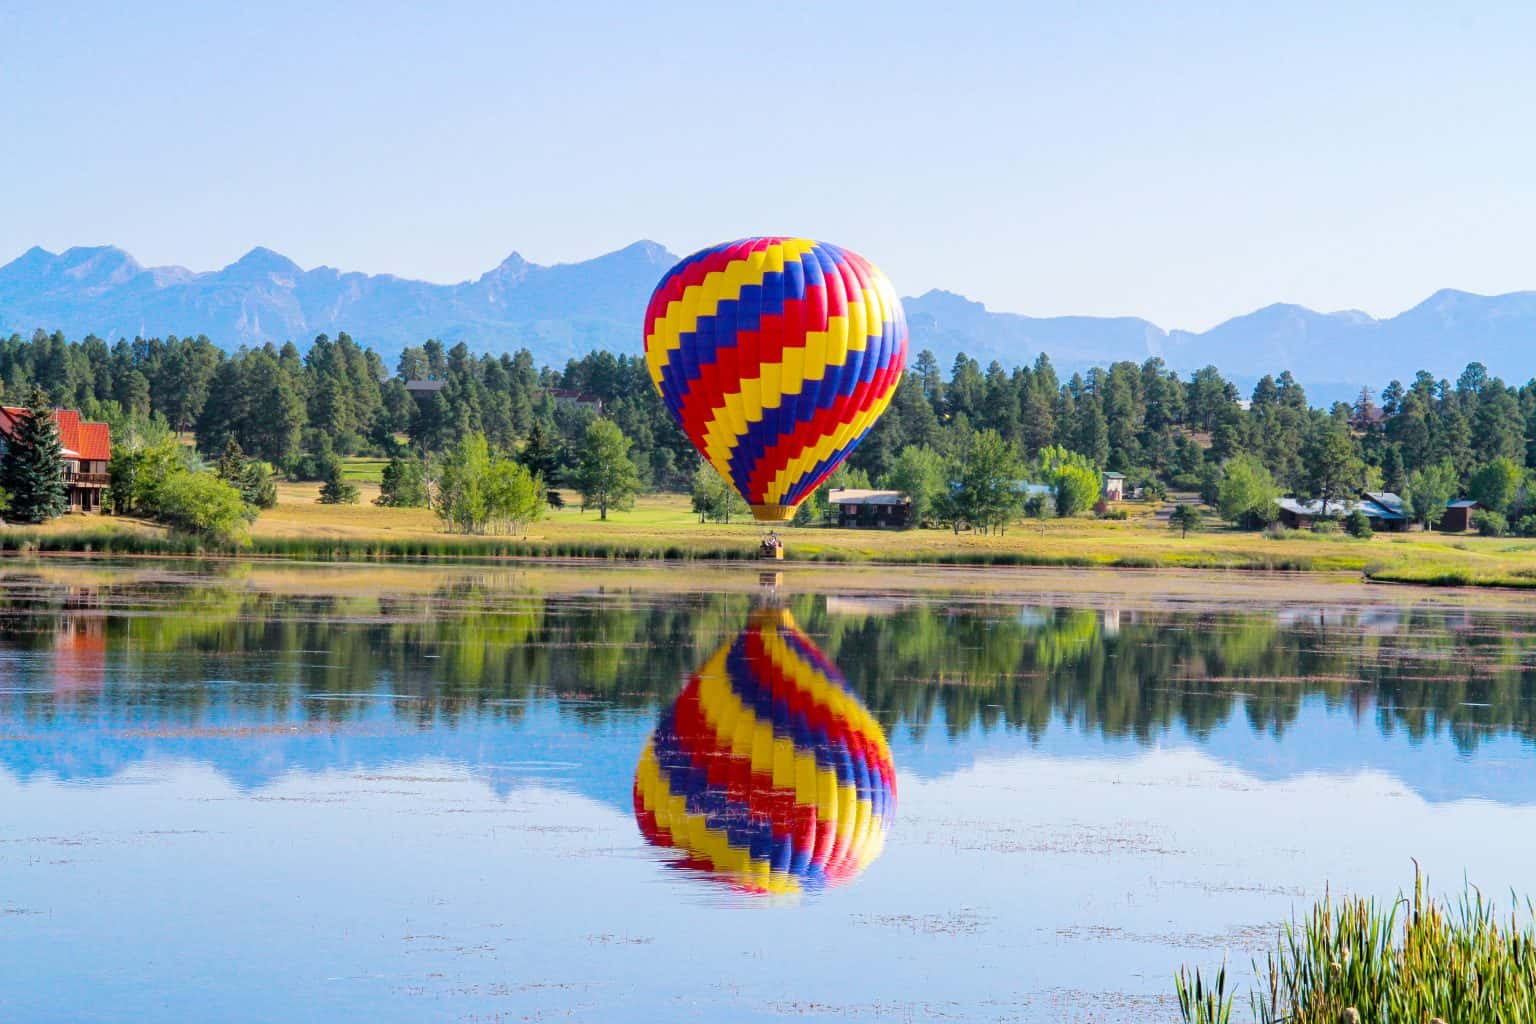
(167, 654)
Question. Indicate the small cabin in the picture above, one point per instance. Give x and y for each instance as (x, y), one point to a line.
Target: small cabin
(424, 391)
(1114, 487)
(1458, 515)
(1383, 509)
(853, 507)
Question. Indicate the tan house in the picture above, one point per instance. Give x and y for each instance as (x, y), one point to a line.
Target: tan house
(87, 450)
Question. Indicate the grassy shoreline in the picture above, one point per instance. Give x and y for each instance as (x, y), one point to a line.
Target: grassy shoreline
(661, 528)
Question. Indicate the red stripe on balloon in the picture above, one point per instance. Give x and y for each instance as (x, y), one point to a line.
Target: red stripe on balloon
(649, 826)
(732, 773)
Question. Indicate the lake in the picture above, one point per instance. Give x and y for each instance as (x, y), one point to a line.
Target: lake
(257, 793)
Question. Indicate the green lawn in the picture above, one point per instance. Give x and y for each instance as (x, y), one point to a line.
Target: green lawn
(363, 471)
(663, 526)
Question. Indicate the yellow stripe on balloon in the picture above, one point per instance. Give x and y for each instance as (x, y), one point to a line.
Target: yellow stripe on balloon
(699, 300)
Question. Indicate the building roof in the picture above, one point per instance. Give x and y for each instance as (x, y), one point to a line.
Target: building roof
(81, 440)
(424, 387)
(1114, 476)
(1387, 500)
(573, 395)
(1462, 503)
(862, 496)
(1338, 509)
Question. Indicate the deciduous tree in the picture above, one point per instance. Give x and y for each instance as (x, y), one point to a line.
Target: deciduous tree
(605, 476)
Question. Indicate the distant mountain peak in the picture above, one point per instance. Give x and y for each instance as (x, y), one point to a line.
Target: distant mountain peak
(650, 250)
(261, 260)
(97, 266)
(939, 298)
(511, 271)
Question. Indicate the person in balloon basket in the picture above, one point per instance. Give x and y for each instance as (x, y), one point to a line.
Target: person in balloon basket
(772, 547)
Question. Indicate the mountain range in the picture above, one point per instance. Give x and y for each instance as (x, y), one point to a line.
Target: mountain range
(565, 310)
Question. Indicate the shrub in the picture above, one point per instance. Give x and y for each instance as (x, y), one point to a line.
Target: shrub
(1325, 527)
(1073, 478)
(1526, 527)
(1115, 513)
(1358, 524)
(1247, 492)
(1490, 523)
(484, 493)
(204, 506)
(404, 484)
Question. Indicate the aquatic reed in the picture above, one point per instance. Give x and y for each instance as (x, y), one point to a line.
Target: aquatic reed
(1418, 959)
(1200, 1003)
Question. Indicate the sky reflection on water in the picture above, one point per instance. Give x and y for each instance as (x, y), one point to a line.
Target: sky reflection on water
(222, 802)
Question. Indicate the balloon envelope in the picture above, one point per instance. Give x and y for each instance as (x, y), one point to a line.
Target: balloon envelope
(767, 772)
(775, 356)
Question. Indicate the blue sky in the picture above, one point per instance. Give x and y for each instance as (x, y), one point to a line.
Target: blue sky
(1184, 162)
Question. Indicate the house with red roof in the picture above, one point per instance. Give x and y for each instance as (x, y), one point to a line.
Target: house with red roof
(87, 449)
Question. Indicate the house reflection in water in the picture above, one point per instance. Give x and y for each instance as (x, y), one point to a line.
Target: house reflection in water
(767, 773)
(80, 644)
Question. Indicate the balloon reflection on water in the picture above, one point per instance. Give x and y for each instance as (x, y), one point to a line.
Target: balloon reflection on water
(767, 772)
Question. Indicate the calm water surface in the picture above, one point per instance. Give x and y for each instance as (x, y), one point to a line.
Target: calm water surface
(261, 795)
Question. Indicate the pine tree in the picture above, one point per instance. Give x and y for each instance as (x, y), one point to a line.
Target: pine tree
(32, 469)
(541, 454)
(336, 490)
(231, 462)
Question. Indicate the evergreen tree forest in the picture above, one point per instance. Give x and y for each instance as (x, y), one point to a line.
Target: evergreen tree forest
(297, 408)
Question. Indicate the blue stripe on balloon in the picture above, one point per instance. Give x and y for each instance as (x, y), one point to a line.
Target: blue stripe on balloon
(778, 287)
(687, 779)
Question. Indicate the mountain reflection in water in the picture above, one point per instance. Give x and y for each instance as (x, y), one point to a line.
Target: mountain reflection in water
(766, 771)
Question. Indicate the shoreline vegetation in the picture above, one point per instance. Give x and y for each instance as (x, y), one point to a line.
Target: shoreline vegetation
(1009, 465)
(1416, 958)
(663, 528)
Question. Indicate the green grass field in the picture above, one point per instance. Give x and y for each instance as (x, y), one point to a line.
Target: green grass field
(363, 471)
(662, 526)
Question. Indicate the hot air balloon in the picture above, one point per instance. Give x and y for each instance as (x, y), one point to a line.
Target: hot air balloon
(767, 772)
(775, 356)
